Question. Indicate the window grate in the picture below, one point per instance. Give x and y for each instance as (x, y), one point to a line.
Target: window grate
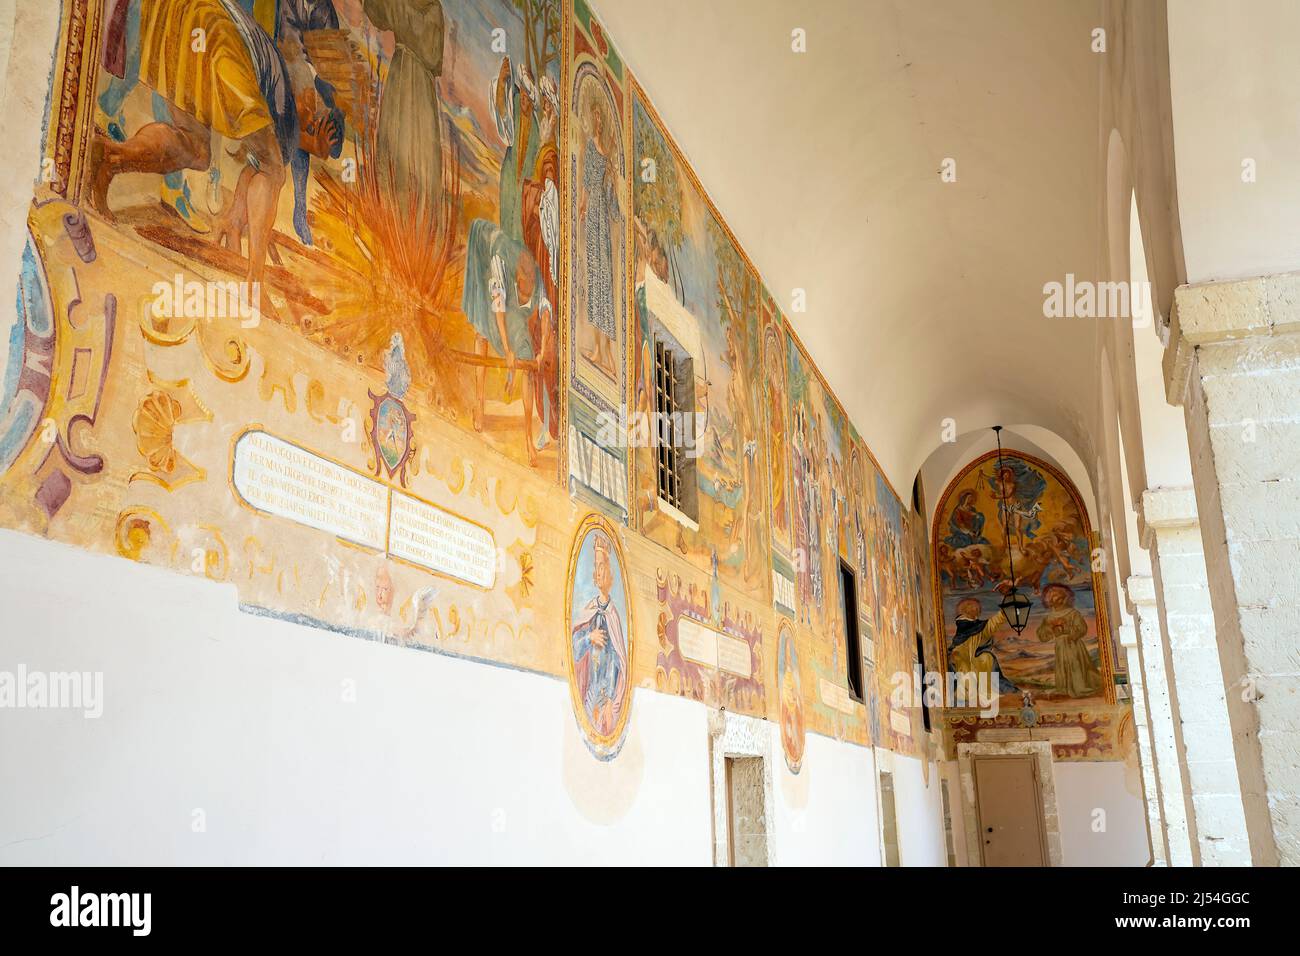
(669, 419)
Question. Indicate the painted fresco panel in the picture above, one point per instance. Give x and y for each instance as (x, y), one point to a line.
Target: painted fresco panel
(695, 291)
(385, 171)
(599, 260)
(1058, 672)
(337, 315)
(776, 419)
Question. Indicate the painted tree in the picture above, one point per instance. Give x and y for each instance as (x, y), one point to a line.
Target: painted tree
(657, 185)
(541, 33)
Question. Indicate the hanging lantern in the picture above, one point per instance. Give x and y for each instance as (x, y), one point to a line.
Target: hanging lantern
(1015, 606)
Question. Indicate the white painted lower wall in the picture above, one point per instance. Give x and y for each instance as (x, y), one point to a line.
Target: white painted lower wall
(242, 721)
(920, 813)
(1102, 816)
(826, 814)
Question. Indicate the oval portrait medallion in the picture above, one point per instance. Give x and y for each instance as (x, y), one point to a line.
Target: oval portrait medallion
(790, 690)
(599, 635)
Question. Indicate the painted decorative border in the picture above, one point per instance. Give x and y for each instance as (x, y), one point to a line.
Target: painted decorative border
(570, 384)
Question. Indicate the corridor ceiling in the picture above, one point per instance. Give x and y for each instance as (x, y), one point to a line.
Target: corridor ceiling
(925, 298)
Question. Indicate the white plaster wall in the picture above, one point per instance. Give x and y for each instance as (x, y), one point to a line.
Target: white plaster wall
(1232, 80)
(1165, 457)
(1115, 787)
(920, 814)
(825, 814)
(438, 760)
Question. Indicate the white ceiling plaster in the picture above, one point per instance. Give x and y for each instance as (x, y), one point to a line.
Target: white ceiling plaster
(924, 299)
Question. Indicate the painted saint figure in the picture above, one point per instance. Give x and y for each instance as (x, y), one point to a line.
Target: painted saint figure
(776, 459)
(970, 649)
(540, 197)
(792, 718)
(1065, 627)
(239, 85)
(513, 96)
(505, 301)
(966, 525)
(1018, 489)
(599, 646)
(408, 142)
(599, 211)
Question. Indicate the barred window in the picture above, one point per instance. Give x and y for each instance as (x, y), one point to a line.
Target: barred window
(674, 383)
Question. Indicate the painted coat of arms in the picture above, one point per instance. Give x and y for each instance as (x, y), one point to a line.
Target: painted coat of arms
(392, 437)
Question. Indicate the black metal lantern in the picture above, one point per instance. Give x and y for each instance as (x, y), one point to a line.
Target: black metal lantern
(1016, 608)
(1014, 605)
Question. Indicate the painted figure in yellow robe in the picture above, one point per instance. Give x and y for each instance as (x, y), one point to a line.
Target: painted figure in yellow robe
(776, 438)
(971, 648)
(1064, 626)
(220, 71)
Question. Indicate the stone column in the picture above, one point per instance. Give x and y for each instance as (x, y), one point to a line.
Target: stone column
(1166, 732)
(1171, 532)
(1233, 363)
(1146, 752)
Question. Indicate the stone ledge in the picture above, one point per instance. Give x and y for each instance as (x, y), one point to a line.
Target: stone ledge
(1161, 509)
(1222, 311)
(1141, 589)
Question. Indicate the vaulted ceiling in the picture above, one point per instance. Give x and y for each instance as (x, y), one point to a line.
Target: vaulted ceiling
(925, 298)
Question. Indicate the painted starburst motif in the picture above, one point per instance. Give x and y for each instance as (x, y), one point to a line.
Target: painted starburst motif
(526, 572)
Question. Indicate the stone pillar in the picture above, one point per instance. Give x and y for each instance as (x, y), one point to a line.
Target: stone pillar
(1171, 532)
(1166, 732)
(1146, 752)
(1233, 363)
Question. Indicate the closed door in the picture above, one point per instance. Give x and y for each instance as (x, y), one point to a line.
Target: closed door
(1010, 811)
(746, 813)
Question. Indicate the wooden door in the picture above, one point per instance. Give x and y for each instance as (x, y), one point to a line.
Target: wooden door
(1010, 809)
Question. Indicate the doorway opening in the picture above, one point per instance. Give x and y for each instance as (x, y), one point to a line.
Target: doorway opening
(888, 819)
(1009, 805)
(746, 812)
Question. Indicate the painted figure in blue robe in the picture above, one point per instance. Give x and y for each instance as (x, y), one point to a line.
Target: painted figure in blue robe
(599, 646)
(966, 525)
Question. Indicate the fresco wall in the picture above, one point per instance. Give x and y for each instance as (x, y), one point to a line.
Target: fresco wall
(354, 304)
(1057, 677)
